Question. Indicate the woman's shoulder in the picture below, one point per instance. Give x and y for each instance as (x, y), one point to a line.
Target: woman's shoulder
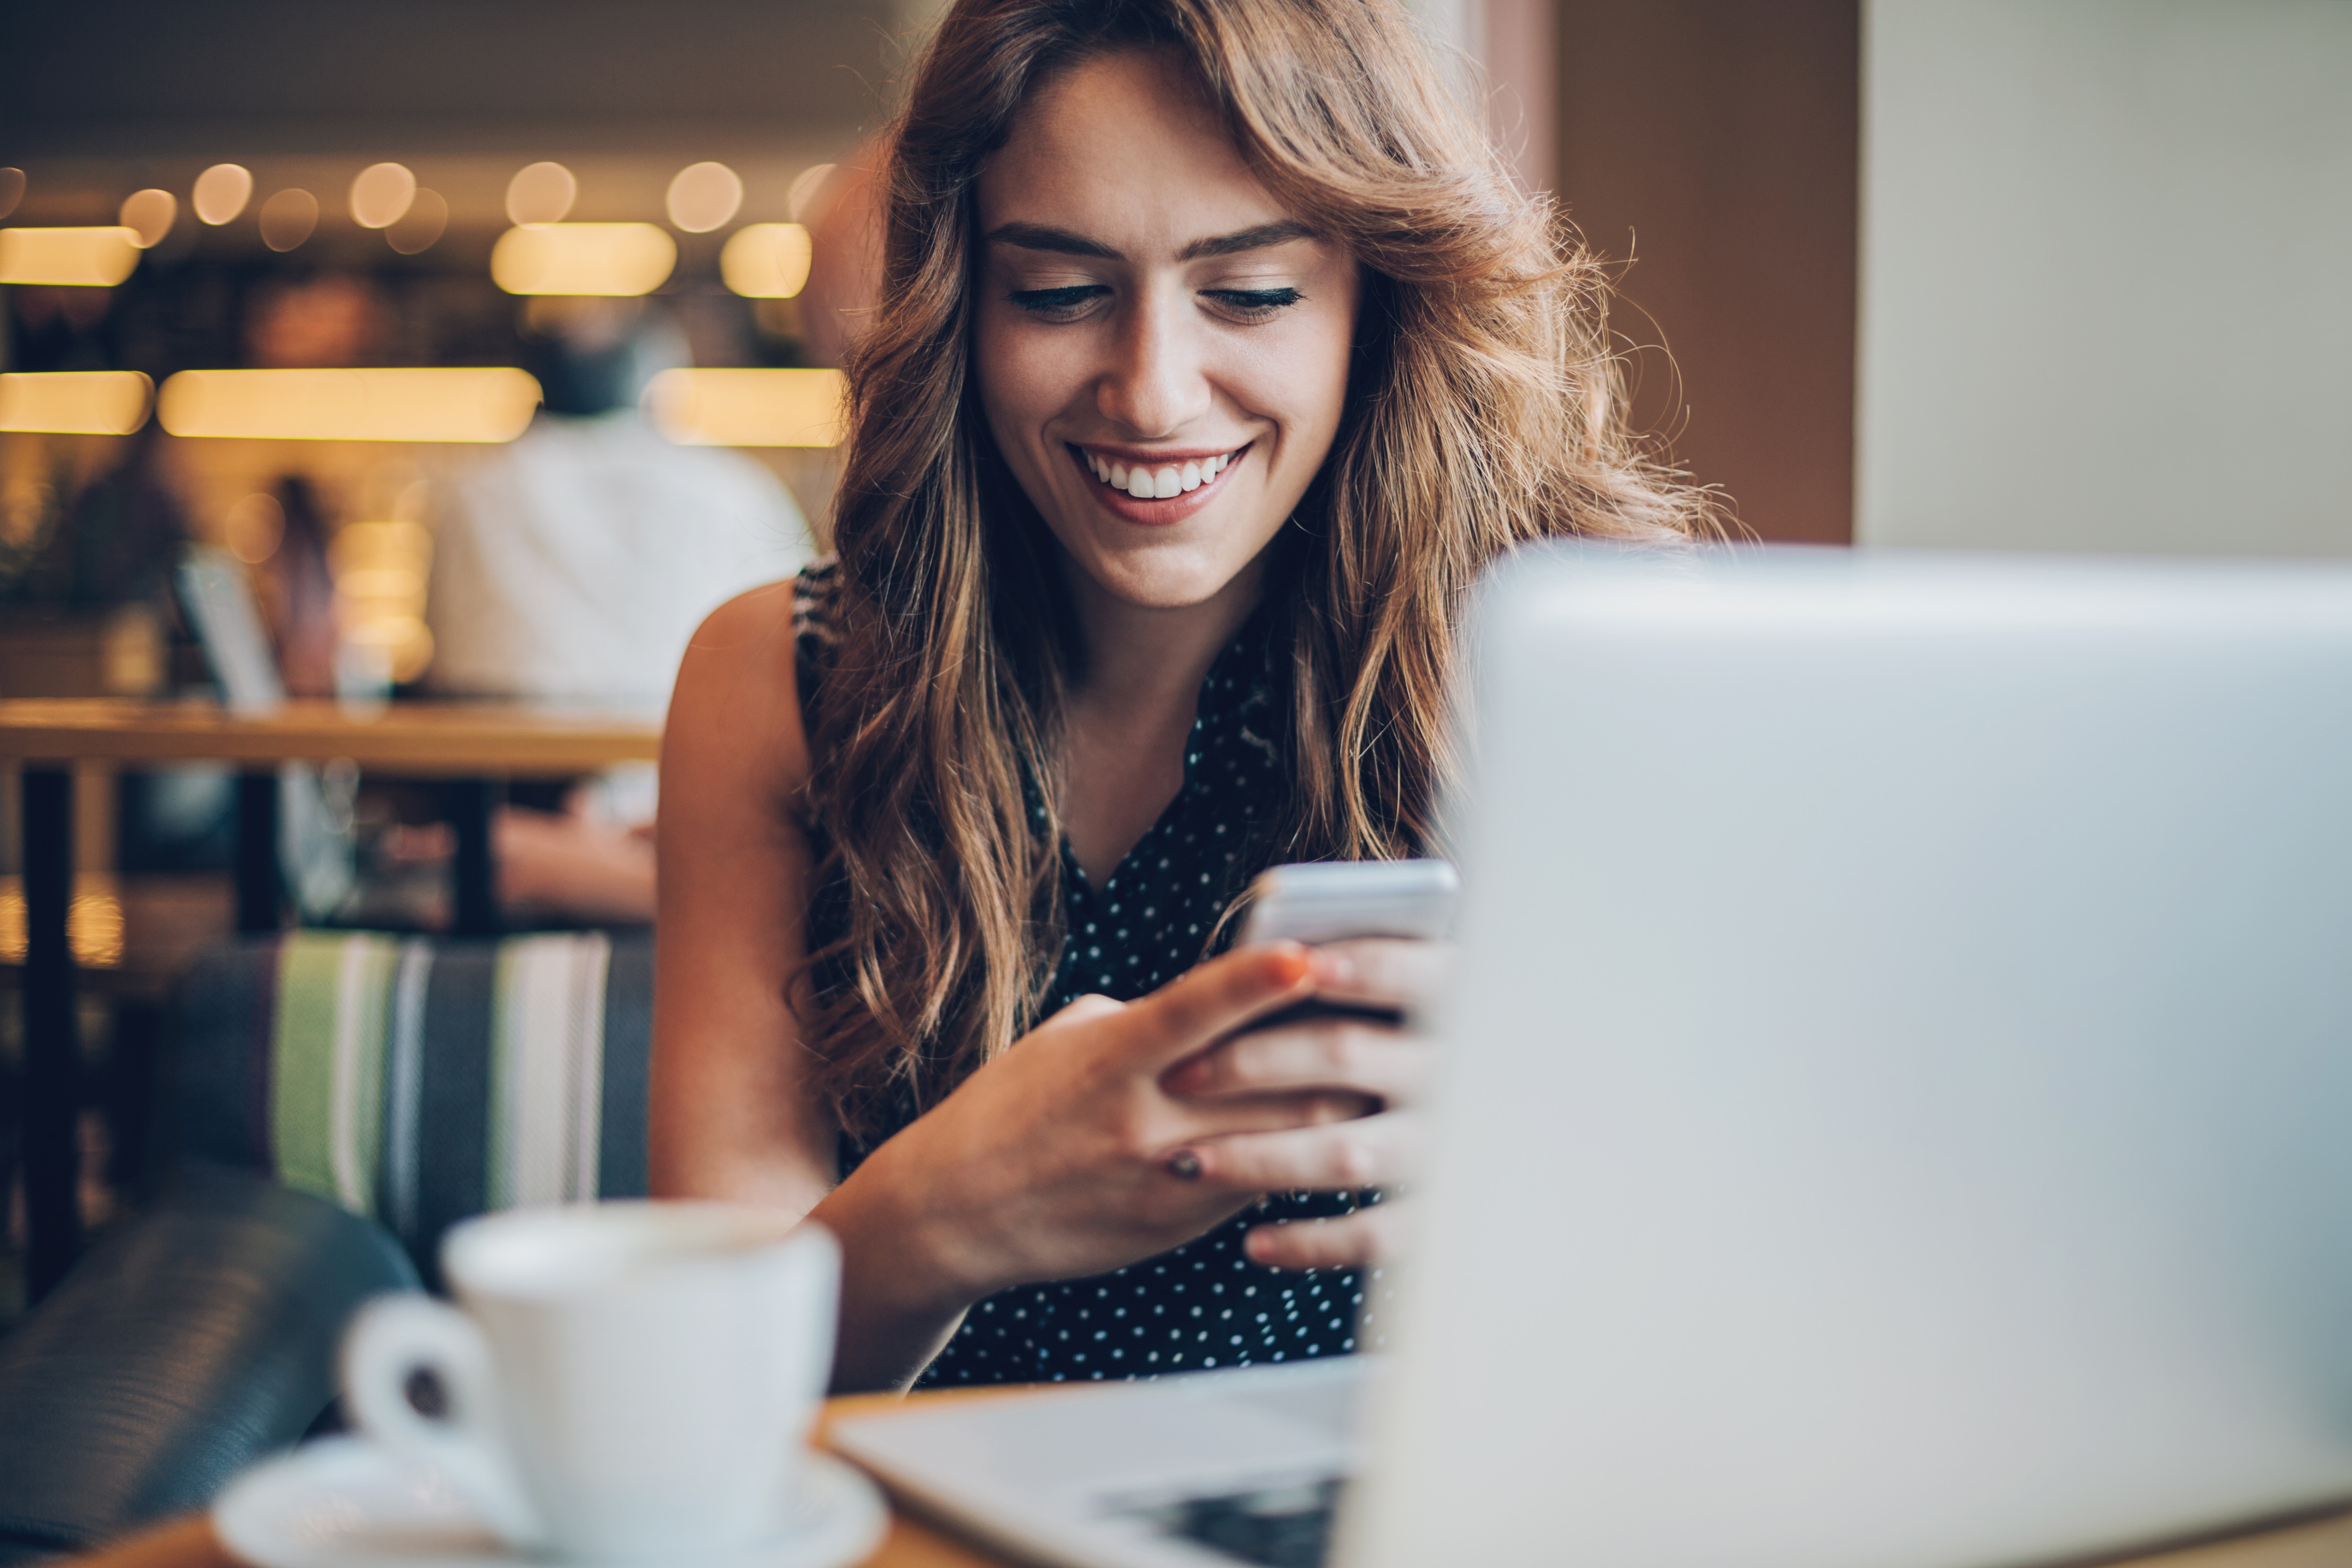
(742, 676)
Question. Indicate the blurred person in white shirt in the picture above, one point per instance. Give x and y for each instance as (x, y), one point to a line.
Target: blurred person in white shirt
(570, 567)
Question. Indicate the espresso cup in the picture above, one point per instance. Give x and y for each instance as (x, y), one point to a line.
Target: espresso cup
(624, 1381)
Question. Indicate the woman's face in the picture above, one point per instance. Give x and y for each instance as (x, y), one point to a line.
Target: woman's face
(1161, 349)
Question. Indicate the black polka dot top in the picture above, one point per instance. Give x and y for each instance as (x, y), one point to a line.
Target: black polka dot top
(1205, 1304)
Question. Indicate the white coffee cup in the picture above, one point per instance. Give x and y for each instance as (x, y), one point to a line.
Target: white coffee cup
(627, 1379)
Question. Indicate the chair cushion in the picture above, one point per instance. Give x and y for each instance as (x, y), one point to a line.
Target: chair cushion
(192, 1339)
(419, 1082)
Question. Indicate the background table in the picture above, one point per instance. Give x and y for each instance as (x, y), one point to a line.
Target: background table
(479, 745)
(913, 1544)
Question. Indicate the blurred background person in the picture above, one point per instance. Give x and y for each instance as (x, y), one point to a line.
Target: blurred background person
(570, 568)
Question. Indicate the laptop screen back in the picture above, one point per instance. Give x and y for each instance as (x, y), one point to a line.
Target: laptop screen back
(1901, 1077)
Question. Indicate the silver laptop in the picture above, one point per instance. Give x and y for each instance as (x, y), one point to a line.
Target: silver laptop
(1898, 1103)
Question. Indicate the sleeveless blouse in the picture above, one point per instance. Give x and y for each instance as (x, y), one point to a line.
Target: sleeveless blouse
(1203, 1304)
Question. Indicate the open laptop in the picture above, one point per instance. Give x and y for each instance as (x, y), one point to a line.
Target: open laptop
(1897, 1106)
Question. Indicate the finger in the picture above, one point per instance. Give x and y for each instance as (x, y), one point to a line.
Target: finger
(1365, 1238)
(1383, 972)
(1329, 1054)
(1216, 998)
(1369, 1152)
(1261, 1113)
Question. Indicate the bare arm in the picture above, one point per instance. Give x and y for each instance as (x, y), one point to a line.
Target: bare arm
(730, 1115)
(1051, 1161)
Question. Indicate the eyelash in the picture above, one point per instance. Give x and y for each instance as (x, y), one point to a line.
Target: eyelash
(1252, 304)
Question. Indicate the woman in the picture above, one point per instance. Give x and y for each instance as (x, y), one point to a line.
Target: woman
(1217, 355)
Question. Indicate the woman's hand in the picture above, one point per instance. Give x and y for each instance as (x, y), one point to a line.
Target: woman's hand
(1337, 1058)
(1059, 1159)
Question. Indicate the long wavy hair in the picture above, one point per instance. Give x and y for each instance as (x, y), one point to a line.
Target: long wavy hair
(1484, 410)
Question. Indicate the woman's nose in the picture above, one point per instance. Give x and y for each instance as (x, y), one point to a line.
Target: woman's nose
(1157, 383)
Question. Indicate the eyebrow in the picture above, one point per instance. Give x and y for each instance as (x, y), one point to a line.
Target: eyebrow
(1062, 242)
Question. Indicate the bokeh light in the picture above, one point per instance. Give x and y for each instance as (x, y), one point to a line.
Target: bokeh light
(75, 401)
(380, 570)
(148, 214)
(421, 225)
(288, 218)
(748, 407)
(540, 193)
(68, 258)
(766, 260)
(608, 258)
(221, 193)
(452, 404)
(254, 528)
(807, 185)
(381, 194)
(703, 197)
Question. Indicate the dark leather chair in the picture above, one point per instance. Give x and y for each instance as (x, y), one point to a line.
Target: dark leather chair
(334, 1102)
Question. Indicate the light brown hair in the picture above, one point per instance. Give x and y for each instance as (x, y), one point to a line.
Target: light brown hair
(1484, 411)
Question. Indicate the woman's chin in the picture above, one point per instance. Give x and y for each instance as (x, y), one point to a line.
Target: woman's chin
(1163, 577)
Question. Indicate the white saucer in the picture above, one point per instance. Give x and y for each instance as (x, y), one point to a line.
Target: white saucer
(346, 1502)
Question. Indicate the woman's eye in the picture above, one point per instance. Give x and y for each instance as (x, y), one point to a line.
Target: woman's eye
(1057, 302)
(1251, 301)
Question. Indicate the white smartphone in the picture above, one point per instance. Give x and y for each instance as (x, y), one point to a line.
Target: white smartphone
(1333, 900)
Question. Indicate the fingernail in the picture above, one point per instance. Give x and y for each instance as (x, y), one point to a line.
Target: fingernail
(1184, 1165)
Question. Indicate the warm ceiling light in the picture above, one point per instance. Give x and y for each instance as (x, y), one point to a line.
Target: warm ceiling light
(748, 407)
(422, 405)
(84, 257)
(616, 258)
(75, 401)
(421, 225)
(288, 218)
(766, 260)
(148, 215)
(381, 194)
(703, 197)
(12, 190)
(540, 193)
(221, 193)
(801, 199)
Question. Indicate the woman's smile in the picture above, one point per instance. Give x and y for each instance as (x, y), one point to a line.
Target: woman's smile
(1156, 488)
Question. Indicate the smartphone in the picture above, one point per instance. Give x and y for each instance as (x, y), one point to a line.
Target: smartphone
(1335, 901)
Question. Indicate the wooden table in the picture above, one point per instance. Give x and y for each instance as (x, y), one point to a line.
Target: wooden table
(478, 746)
(911, 1543)
(914, 1543)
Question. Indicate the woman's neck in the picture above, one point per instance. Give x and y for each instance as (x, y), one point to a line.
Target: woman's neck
(1130, 715)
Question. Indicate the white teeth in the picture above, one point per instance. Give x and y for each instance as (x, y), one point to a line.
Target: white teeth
(1157, 484)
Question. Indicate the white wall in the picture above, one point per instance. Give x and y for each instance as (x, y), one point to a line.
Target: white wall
(2106, 298)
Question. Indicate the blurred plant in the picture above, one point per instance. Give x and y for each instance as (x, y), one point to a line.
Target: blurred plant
(111, 541)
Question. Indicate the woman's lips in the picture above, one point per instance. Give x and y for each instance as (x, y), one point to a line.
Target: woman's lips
(1157, 511)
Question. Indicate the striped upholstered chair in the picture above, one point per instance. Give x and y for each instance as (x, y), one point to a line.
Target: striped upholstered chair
(335, 1102)
(416, 1082)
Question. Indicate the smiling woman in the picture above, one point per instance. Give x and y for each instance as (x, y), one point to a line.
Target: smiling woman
(1217, 355)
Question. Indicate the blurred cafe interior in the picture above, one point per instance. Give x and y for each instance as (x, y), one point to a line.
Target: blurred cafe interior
(365, 367)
